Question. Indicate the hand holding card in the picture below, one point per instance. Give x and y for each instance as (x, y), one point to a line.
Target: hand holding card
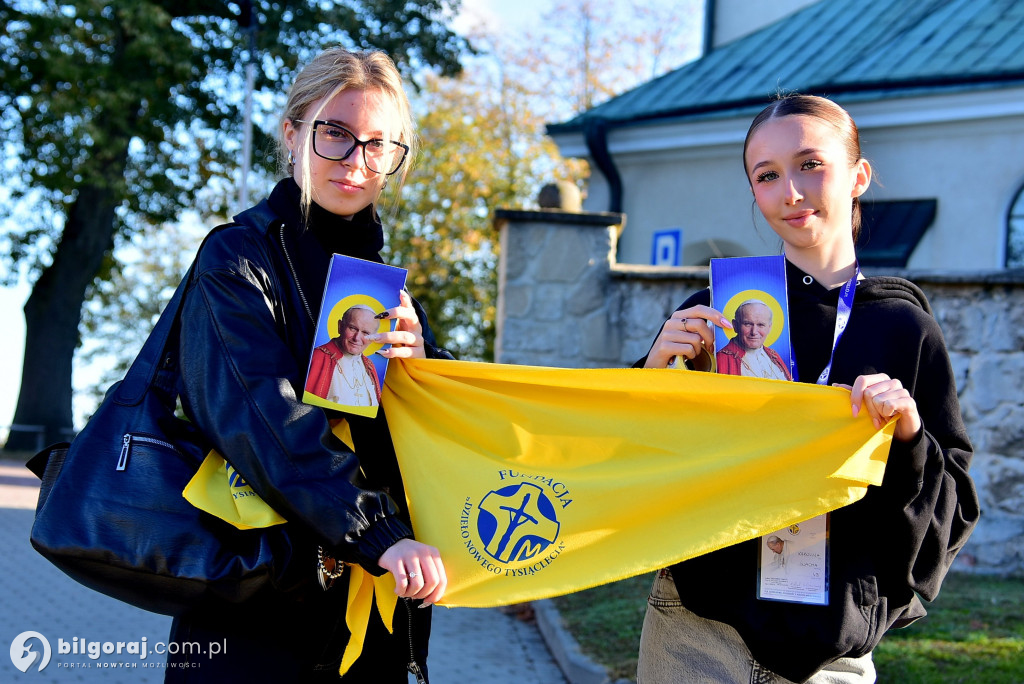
(350, 354)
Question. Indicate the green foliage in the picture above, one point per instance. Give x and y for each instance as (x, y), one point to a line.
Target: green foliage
(143, 98)
(974, 631)
(480, 150)
(122, 309)
(121, 115)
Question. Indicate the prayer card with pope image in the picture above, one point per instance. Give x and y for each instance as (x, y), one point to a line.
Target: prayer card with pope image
(345, 373)
(751, 292)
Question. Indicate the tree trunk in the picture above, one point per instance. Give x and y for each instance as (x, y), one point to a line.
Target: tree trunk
(52, 315)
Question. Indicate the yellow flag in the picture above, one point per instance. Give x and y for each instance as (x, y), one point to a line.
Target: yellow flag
(220, 490)
(535, 482)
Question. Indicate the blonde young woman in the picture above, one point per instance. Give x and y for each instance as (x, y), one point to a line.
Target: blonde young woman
(247, 332)
(704, 621)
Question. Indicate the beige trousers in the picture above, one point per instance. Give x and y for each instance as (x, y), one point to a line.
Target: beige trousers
(677, 646)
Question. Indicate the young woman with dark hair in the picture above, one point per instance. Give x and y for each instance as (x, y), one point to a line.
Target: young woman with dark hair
(874, 335)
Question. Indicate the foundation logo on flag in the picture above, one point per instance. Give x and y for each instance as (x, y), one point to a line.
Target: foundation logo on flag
(234, 479)
(513, 530)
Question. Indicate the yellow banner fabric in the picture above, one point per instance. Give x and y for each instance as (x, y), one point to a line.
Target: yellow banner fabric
(219, 489)
(535, 482)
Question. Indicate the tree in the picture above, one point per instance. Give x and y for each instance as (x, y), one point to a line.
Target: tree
(121, 114)
(482, 147)
(122, 309)
(596, 50)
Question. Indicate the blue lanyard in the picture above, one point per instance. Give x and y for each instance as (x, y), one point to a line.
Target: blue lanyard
(843, 311)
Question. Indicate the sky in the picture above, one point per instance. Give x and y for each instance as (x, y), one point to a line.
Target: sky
(496, 14)
(500, 13)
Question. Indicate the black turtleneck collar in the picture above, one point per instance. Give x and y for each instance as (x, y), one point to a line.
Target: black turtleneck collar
(311, 243)
(362, 236)
(803, 284)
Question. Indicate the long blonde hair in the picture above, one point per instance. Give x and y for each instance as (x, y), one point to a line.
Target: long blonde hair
(334, 71)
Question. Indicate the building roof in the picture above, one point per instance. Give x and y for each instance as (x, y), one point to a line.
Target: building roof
(843, 49)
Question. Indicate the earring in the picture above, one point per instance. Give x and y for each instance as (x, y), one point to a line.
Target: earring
(291, 158)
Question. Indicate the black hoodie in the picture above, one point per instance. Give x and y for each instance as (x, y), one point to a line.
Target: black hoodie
(898, 541)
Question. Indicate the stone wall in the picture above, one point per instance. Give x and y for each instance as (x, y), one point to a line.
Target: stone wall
(563, 301)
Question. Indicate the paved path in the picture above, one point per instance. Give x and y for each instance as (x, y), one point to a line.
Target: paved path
(468, 646)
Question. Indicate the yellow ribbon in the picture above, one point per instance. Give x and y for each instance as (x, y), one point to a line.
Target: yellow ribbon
(218, 489)
(362, 589)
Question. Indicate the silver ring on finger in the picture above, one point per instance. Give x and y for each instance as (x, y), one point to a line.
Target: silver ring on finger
(413, 575)
(684, 326)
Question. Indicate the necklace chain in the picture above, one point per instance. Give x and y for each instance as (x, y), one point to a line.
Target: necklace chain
(358, 382)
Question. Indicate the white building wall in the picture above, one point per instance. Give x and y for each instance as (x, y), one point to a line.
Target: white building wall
(973, 168)
(737, 18)
(966, 151)
(702, 191)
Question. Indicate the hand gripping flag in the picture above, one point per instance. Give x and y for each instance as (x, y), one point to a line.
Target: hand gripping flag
(535, 482)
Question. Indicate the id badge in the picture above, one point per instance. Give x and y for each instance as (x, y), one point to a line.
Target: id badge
(793, 563)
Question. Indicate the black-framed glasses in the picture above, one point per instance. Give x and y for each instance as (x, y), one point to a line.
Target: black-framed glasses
(336, 143)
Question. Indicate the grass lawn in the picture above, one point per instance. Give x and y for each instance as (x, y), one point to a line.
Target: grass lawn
(974, 632)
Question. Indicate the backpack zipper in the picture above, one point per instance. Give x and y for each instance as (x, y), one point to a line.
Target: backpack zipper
(126, 447)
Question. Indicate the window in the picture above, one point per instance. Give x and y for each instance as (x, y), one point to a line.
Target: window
(1015, 232)
(890, 230)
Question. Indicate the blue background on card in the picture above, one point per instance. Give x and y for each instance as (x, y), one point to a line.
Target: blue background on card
(764, 273)
(349, 276)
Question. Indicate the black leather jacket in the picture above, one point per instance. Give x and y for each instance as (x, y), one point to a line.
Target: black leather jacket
(247, 332)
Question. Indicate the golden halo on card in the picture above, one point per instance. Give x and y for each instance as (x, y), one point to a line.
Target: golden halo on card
(343, 305)
(760, 295)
